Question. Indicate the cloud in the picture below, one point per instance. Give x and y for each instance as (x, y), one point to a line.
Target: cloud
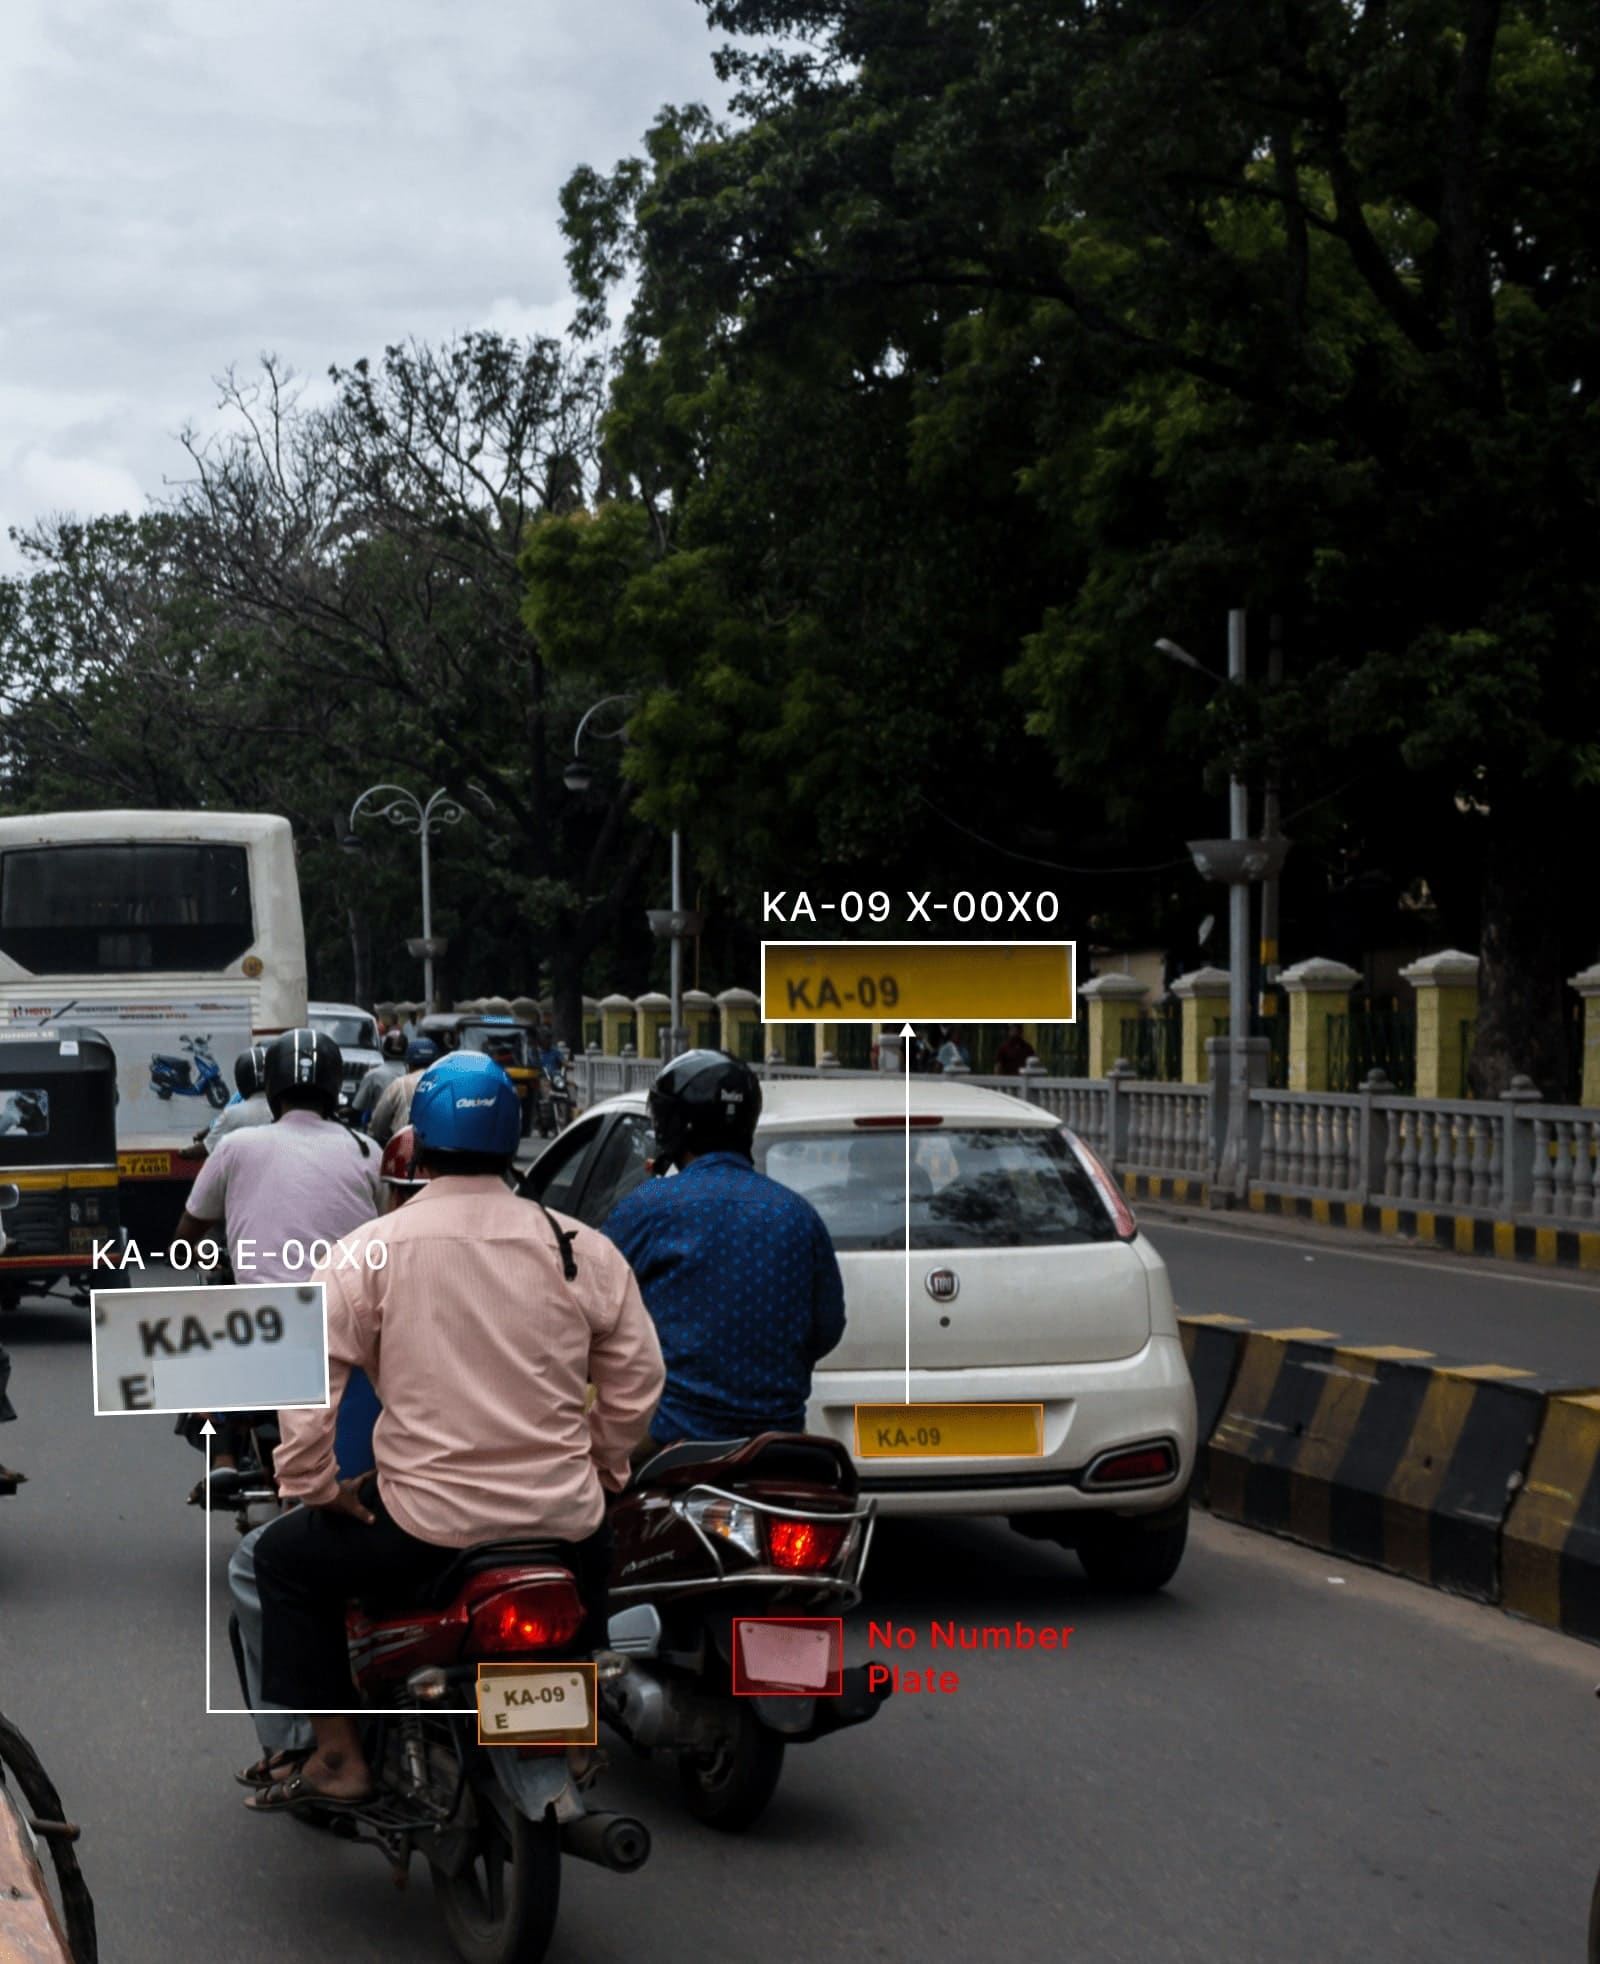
(191, 185)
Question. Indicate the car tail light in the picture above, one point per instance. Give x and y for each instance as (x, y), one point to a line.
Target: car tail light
(805, 1545)
(543, 1615)
(1138, 1466)
(896, 1121)
(1122, 1215)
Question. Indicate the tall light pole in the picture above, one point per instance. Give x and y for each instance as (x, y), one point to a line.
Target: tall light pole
(405, 809)
(678, 926)
(1236, 860)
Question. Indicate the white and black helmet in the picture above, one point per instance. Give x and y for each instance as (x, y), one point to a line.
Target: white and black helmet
(303, 1060)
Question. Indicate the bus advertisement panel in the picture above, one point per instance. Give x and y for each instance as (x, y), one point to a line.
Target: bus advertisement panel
(174, 1067)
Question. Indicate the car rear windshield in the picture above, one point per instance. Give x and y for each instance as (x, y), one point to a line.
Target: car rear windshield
(104, 908)
(987, 1188)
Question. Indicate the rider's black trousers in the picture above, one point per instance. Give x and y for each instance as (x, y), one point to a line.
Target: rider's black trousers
(310, 1563)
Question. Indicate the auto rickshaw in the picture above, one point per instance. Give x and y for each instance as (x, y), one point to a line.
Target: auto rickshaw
(503, 1038)
(58, 1147)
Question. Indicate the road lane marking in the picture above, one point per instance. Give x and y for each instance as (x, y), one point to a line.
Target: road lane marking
(1525, 1273)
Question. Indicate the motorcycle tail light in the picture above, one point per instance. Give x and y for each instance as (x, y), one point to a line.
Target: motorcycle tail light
(544, 1615)
(805, 1545)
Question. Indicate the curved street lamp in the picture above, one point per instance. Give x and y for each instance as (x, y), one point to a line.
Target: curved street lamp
(405, 809)
(678, 924)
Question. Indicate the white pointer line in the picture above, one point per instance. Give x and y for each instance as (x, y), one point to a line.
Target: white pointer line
(906, 1034)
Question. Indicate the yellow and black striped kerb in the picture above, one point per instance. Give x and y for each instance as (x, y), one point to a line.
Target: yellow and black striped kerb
(1463, 1234)
(1377, 1453)
(1551, 1546)
(1186, 1189)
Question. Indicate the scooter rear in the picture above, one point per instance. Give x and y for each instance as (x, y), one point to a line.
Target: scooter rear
(715, 1540)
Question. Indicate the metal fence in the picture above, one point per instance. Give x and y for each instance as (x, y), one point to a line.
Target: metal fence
(1368, 1040)
(1513, 1158)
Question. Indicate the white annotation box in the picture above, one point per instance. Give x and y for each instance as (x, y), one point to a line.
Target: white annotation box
(240, 1349)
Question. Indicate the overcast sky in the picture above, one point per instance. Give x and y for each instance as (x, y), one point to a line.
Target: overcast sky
(191, 183)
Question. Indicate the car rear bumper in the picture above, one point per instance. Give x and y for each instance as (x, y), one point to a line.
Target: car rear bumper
(1089, 1410)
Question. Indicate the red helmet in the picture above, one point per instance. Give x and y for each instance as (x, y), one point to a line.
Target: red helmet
(398, 1157)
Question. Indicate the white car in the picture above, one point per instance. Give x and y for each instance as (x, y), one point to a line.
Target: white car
(1047, 1378)
(355, 1031)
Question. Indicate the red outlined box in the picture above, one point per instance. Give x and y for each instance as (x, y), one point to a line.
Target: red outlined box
(765, 1666)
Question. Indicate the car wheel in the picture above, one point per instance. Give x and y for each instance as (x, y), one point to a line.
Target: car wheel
(1133, 1556)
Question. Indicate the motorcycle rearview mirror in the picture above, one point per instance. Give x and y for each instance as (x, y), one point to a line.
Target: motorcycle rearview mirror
(9, 1196)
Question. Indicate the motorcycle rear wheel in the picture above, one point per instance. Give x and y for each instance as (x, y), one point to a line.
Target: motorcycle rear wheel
(502, 1910)
(729, 1789)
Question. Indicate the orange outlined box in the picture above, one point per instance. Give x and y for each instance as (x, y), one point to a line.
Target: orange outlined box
(809, 1664)
(950, 1431)
(540, 1689)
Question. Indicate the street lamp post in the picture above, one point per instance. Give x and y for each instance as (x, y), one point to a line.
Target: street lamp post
(678, 925)
(405, 809)
(1237, 861)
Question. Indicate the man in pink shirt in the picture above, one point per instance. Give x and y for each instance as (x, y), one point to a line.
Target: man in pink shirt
(481, 1327)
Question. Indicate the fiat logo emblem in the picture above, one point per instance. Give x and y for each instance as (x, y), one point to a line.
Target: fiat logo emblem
(942, 1285)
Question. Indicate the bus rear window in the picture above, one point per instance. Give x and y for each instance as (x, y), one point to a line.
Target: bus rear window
(104, 909)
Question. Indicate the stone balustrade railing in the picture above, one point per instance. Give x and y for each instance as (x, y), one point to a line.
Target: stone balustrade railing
(1515, 1159)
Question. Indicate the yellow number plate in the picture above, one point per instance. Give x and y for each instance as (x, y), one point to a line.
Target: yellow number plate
(135, 1164)
(949, 1431)
(888, 981)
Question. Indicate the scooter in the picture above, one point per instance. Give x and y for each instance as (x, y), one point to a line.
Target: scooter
(170, 1076)
(554, 1101)
(491, 1822)
(712, 1537)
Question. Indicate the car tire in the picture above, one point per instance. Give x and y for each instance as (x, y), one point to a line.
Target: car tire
(1132, 1556)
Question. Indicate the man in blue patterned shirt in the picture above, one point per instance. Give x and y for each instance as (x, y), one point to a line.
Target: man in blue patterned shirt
(736, 1271)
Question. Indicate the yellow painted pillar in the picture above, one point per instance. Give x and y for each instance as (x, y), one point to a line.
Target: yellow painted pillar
(1317, 989)
(827, 1042)
(655, 1015)
(740, 1012)
(1203, 993)
(1588, 986)
(617, 1024)
(702, 1019)
(1447, 996)
(591, 1021)
(1110, 998)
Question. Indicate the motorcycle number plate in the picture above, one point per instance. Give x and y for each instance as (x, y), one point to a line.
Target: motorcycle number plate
(793, 1656)
(530, 1702)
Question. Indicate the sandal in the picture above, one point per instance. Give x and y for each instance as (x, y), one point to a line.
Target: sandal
(266, 1769)
(288, 1796)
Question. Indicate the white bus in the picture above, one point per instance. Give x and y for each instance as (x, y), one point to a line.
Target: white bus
(178, 936)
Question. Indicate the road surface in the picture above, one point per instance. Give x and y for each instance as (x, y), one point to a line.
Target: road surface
(1283, 1757)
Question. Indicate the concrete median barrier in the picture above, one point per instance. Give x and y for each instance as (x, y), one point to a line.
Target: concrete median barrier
(1213, 1346)
(1378, 1453)
(1551, 1546)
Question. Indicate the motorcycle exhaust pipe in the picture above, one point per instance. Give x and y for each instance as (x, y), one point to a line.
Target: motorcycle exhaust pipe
(610, 1841)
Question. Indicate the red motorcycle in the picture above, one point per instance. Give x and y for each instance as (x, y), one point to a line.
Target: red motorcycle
(714, 1540)
(491, 1822)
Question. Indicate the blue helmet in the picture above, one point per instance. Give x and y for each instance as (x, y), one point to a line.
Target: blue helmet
(466, 1103)
(420, 1053)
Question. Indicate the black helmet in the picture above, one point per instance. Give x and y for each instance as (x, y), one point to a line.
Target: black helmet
(249, 1070)
(303, 1060)
(704, 1101)
(393, 1043)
